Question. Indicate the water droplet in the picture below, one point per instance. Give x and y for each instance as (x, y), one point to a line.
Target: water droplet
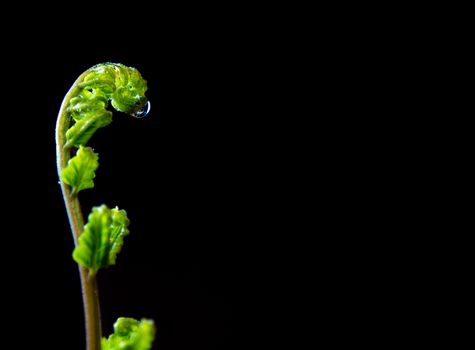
(142, 112)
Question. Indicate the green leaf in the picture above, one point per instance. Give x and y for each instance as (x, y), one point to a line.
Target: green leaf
(102, 238)
(87, 103)
(130, 334)
(82, 131)
(81, 170)
(120, 224)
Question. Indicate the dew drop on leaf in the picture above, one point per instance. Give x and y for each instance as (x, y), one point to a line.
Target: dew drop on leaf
(142, 112)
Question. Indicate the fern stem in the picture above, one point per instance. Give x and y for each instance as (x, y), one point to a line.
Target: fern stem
(89, 284)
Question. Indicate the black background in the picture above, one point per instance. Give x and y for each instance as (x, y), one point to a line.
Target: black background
(247, 186)
(267, 189)
(202, 179)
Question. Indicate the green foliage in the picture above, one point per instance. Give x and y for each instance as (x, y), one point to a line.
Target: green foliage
(102, 238)
(130, 334)
(119, 229)
(129, 95)
(123, 86)
(82, 131)
(81, 170)
(103, 235)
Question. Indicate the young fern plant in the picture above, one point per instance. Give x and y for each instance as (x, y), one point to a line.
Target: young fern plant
(97, 242)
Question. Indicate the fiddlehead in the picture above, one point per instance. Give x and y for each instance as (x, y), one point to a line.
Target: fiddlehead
(84, 110)
(124, 87)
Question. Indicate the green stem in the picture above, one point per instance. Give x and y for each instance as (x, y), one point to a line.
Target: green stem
(76, 220)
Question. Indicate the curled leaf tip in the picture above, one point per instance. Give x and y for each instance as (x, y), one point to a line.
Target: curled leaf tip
(121, 86)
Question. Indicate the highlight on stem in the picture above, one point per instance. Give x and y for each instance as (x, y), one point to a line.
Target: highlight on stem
(98, 241)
